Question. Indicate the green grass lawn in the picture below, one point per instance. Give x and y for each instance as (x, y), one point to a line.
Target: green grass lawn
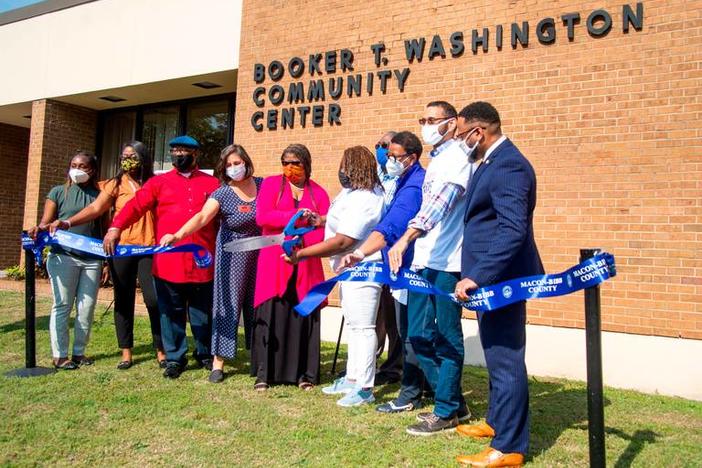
(103, 416)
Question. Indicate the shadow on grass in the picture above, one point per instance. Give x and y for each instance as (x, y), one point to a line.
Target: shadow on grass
(637, 442)
(554, 409)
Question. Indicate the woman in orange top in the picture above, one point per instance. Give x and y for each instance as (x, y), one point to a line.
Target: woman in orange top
(136, 167)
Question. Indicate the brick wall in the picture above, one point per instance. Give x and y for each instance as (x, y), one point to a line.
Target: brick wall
(58, 130)
(611, 124)
(14, 144)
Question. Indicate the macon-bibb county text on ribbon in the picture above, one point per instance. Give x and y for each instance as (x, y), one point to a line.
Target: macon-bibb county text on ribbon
(587, 274)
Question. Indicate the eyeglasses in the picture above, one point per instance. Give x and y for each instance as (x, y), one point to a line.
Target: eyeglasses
(381, 145)
(433, 120)
(291, 163)
(398, 157)
(460, 136)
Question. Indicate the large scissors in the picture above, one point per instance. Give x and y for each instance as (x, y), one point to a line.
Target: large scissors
(260, 242)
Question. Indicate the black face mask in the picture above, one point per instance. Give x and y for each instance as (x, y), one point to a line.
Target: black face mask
(183, 162)
(344, 180)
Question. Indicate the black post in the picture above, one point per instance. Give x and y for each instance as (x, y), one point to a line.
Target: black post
(338, 343)
(595, 398)
(30, 309)
(30, 346)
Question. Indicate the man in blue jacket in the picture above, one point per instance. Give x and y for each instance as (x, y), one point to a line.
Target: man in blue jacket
(498, 245)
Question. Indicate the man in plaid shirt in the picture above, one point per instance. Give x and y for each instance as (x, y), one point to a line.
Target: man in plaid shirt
(434, 327)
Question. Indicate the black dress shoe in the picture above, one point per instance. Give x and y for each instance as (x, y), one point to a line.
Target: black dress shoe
(173, 370)
(216, 376)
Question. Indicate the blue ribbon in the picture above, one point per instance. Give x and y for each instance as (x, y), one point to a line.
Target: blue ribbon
(587, 274)
(202, 257)
(297, 233)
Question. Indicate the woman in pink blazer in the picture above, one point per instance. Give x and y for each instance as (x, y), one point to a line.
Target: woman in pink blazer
(285, 347)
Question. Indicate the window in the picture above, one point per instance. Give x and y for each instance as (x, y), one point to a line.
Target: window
(209, 120)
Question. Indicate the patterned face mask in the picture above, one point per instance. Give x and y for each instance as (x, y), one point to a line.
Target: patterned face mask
(129, 164)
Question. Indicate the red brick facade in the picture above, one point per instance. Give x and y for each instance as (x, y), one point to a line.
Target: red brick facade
(58, 130)
(612, 124)
(14, 144)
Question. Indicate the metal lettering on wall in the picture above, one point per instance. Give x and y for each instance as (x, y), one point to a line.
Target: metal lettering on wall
(352, 84)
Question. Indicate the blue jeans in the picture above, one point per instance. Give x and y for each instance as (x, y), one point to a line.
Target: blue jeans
(177, 302)
(413, 381)
(73, 280)
(437, 338)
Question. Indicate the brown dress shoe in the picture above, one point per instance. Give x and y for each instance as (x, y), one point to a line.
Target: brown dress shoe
(480, 430)
(492, 458)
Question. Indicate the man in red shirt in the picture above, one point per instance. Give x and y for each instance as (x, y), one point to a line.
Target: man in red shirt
(183, 289)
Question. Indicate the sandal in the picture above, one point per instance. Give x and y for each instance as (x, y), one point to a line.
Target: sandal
(82, 361)
(66, 365)
(306, 386)
(124, 365)
(261, 386)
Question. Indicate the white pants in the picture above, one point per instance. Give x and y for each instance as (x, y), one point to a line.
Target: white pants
(359, 303)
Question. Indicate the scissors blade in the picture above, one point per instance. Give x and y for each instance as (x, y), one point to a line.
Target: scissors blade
(253, 243)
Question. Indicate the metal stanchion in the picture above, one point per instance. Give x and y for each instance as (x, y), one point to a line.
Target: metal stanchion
(595, 399)
(30, 369)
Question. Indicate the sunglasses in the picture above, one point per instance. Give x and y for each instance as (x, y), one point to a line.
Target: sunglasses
(291, 163)
(381, 145)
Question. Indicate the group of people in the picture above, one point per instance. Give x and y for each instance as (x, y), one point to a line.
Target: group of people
(462, 223)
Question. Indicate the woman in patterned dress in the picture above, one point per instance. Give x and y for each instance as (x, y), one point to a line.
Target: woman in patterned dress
(235, 273)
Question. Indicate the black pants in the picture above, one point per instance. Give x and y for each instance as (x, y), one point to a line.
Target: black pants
(125, 271)
(386, 326)
(178, 303)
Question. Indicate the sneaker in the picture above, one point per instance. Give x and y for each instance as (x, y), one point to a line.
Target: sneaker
(433, 425)
(216, 376)
(340, 385)
(463, 414)
(173, 370)
(394, 407)
(357, 398)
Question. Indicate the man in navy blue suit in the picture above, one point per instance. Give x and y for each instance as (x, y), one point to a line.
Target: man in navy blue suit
(498, 245)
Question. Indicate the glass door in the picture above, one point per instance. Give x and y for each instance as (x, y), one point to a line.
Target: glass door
(160, 126)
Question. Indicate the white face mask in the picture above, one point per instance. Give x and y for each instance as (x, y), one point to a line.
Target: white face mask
(469, 150)
(394, 167)
(78, 176)
(431, 134)
(237, 172)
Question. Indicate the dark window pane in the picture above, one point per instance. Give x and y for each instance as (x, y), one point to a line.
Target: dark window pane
(118, 129)
(160, 127)
(208, 122)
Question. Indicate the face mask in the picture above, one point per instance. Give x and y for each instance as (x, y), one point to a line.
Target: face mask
(394, 167)
(78, 176)
(469, 150)
(129, 164)
(431, 134)
(183, 162)
(381, 155)
(344, 180)
(237, 172)
(295, 174)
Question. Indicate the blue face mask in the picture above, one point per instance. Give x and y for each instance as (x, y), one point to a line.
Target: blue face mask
(381, 155)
